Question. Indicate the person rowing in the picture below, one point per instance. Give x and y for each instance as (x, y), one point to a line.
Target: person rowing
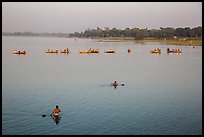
(55, 112)
(114, 84)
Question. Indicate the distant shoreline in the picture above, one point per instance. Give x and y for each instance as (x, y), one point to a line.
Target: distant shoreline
(181, 41)
(169, 35)
(178, 41)
(32, 34)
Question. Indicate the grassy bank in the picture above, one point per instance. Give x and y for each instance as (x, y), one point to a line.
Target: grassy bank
(182, 41)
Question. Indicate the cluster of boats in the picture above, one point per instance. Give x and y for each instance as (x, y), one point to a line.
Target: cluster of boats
(89, 51)
(168, 51)
(174, 51)
(96, 51)
(66, 51)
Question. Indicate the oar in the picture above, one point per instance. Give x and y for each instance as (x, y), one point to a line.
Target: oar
(44, 115)
(112, 85)
(119, 84)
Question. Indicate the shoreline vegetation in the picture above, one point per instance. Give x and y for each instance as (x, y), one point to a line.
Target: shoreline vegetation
(178, 36)
(169, 35)
(179, 41)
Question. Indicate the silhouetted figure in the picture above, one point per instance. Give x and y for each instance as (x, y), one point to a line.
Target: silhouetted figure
(115, 84)
(55, 114)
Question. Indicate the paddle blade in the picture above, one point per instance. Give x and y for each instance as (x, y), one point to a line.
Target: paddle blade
(43, 115)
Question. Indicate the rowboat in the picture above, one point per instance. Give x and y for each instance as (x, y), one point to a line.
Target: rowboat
(155, 51)
(109, 51)
(52, 51)
(85, 52)
(89, 51)
(19, 52)
(174, 51)
(179, 51)
(65, 51)
(94, 51)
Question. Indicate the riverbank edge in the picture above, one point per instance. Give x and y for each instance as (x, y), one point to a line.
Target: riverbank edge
(190, 42)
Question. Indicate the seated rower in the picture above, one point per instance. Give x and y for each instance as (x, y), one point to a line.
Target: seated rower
(114, 84)
(55, 111)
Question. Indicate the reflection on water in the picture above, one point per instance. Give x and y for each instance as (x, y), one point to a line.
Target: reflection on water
(56, 119)
(115, 86)
(162, 93)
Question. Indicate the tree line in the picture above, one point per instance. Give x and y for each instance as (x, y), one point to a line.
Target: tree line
(138, 33)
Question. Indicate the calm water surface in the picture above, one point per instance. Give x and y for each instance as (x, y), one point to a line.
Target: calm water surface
(162, 93)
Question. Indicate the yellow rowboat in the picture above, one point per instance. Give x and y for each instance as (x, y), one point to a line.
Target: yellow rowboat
(65, 51)
(180, 51)
(155, 51)
(89, 51)
(19, 52)
(94, 51)
(85, 52)
(52, 51)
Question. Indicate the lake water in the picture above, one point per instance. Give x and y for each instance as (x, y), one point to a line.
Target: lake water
(162, 92)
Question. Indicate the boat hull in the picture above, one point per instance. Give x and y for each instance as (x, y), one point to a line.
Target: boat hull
(152, 51)
(174, 51)
(109, 52)
(19, 52)
(51, 51)
(65, 52)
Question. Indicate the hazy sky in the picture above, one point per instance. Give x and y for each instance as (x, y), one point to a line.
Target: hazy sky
(68, 17)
